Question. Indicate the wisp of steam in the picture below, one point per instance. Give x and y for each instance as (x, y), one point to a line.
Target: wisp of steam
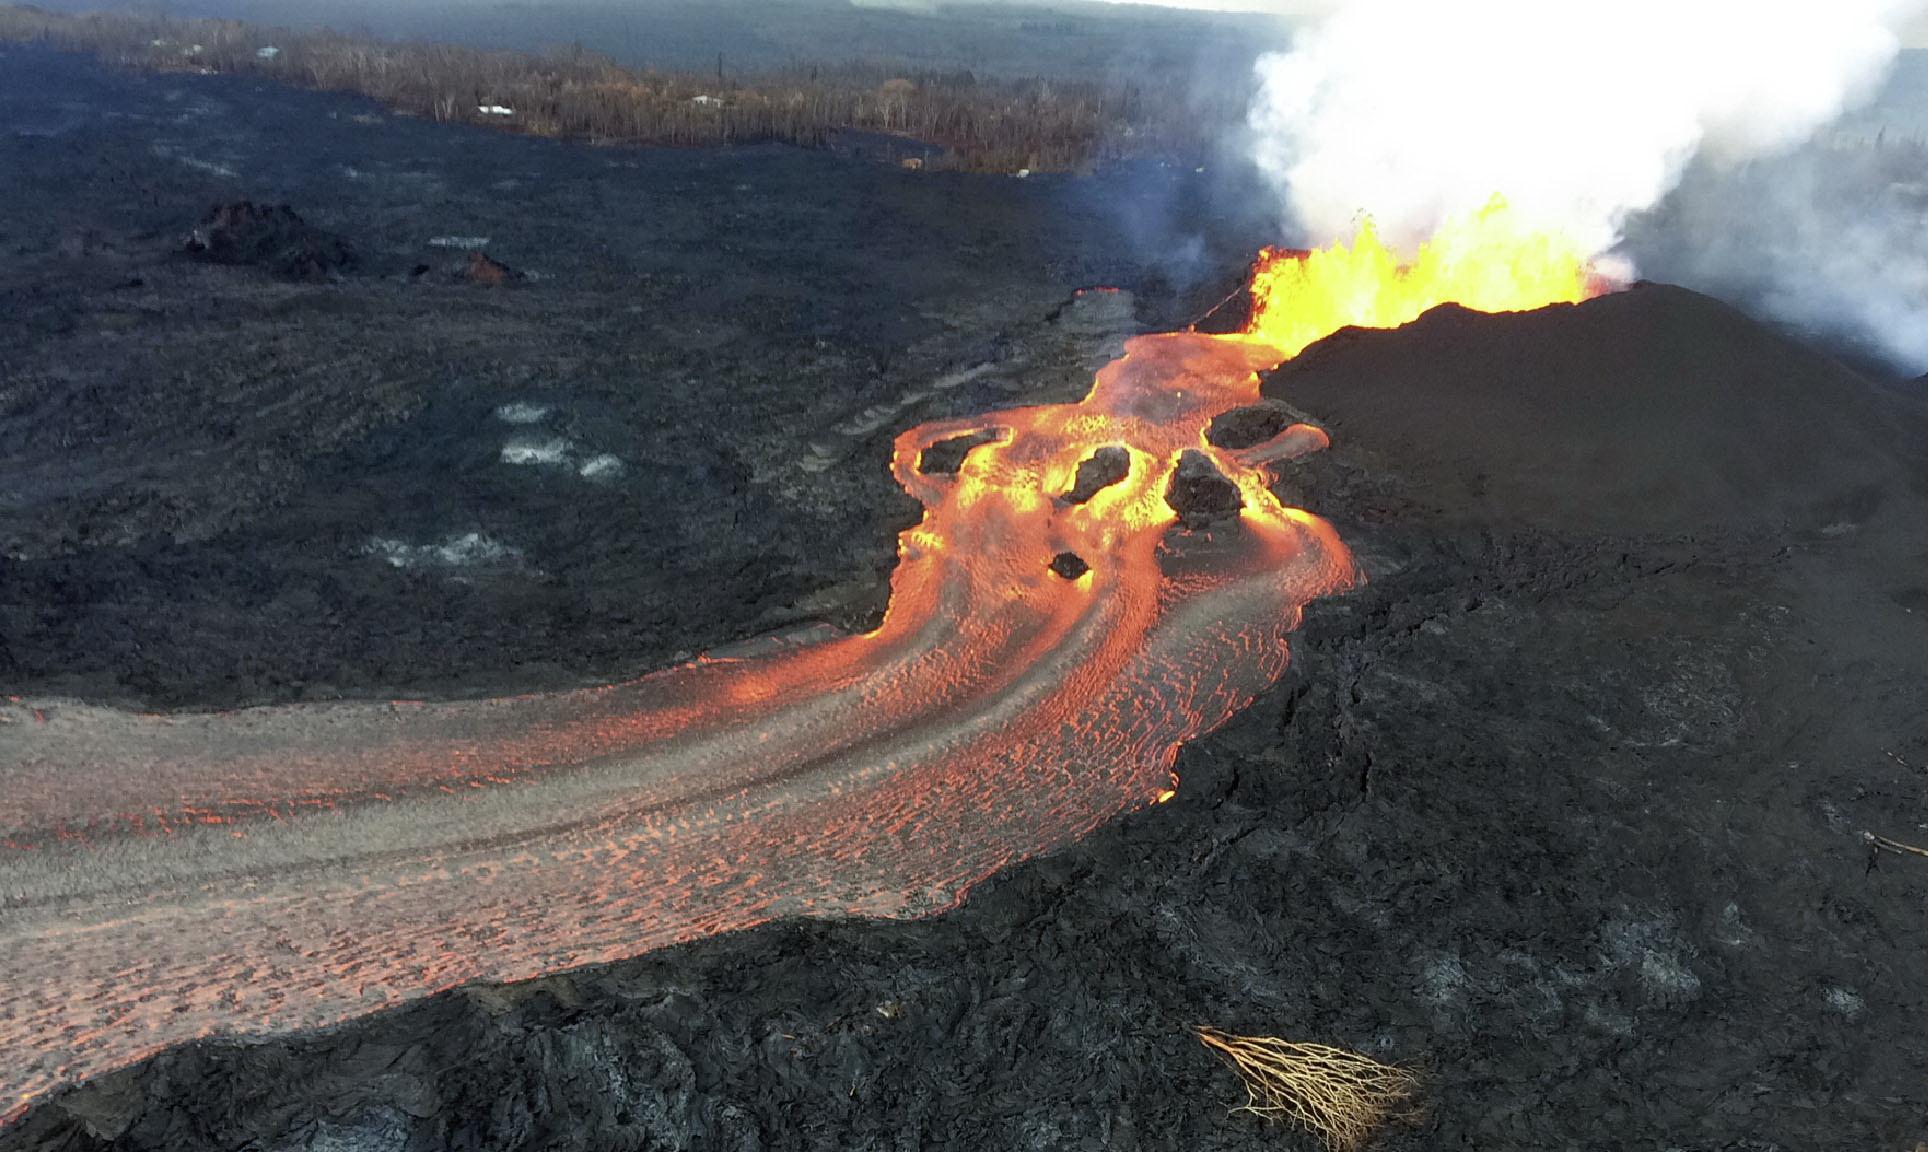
(1583, 114)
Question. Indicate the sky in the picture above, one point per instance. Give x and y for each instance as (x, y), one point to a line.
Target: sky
(1283, 7)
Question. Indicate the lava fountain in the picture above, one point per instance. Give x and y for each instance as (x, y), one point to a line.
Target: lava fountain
(168, 877)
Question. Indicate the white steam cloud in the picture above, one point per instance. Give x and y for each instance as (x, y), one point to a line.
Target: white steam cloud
(1832, 236)
(1580, 112)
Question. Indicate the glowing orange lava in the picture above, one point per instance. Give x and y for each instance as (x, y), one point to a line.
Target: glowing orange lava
(164, 877)
(1489, 262)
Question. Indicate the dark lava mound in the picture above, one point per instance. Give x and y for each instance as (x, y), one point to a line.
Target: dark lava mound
(1655, 410)
(1099, 471)
(482, 269)
(269, 236)
(1069, 565)
(1200, 493)
(946, 457)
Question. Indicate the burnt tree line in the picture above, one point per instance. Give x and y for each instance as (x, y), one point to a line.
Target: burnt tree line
(975, 123)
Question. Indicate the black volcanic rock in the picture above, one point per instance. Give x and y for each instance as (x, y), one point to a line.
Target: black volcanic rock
(1652, 410)
(1069, 565)
(270, 236)
(1249, 426)
(1100, 470)
(945, 457)
(1200, 493)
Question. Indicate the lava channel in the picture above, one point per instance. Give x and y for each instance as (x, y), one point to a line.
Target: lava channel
(167, 877)
(164, 877)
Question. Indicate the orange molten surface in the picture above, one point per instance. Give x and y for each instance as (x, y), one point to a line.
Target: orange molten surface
(166, 877)
(1490, 262)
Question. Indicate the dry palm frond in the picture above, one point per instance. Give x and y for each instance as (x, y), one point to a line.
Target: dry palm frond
(1341, 1096)
(1883, 844)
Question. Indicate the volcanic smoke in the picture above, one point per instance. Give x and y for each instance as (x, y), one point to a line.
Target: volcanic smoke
(167, 877)
(1414, 113)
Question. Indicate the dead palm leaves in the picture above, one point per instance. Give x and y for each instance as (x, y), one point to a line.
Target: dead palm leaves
(1341, 1096)
(1883, 844)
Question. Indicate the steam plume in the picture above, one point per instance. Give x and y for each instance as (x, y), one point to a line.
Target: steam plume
(1832, 236)
(1579, 112)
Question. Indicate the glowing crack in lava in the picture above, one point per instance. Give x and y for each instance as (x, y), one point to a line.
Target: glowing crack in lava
(165, 877)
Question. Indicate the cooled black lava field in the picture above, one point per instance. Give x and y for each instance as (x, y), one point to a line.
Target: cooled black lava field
(1565, 806)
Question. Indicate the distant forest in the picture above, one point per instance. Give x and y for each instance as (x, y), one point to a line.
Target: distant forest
(1055, 39)
(957, 117)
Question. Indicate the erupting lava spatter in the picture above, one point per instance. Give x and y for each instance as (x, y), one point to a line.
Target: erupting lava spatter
(164, 877)
(1489, 262)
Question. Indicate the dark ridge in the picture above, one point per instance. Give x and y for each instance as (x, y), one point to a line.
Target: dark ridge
(1653, 410)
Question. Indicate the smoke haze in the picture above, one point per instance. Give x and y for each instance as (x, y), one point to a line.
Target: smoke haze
(1832, 237)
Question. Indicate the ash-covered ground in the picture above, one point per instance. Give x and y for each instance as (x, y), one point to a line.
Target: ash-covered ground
(1564, 806)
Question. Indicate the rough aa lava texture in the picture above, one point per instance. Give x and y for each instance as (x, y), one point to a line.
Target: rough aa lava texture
(1562, 806)
(224, 487)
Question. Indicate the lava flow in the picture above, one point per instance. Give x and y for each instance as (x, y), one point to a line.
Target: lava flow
(1054, 635)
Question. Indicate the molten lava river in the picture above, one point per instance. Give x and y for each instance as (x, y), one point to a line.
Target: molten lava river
(164, 877)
